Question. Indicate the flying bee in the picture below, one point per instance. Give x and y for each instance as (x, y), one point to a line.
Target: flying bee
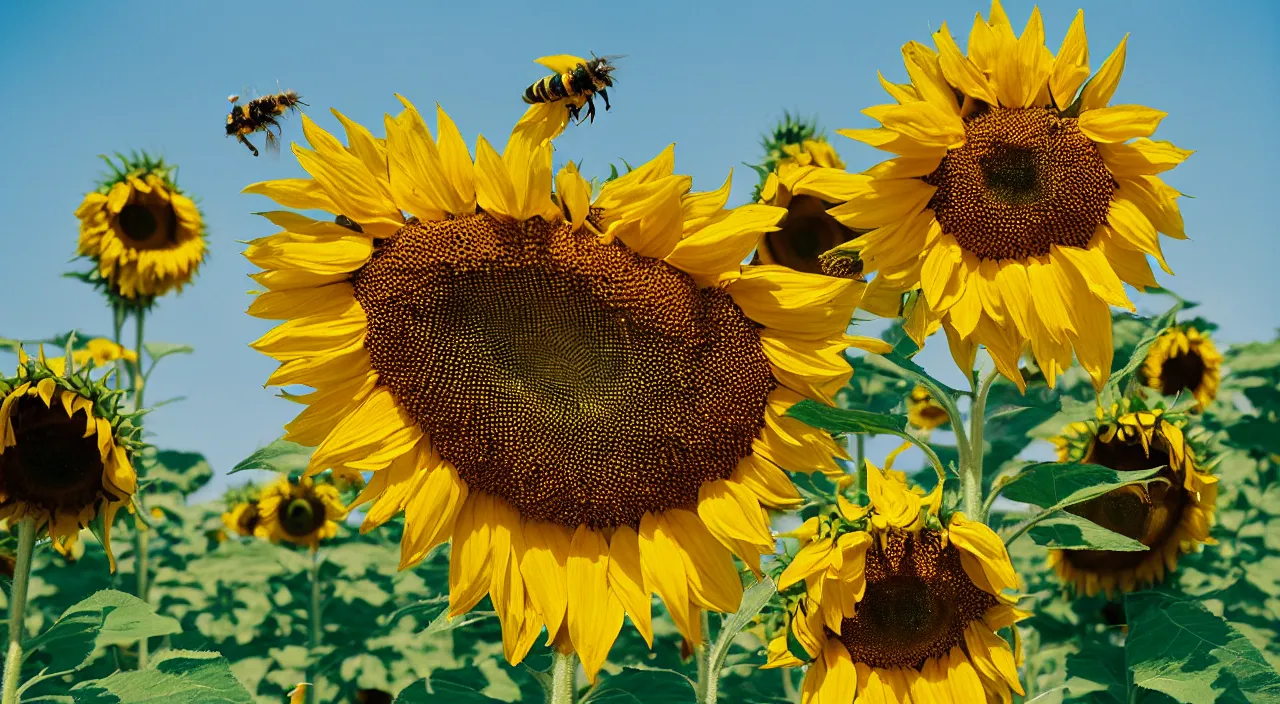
(575, 80)
(260, 115)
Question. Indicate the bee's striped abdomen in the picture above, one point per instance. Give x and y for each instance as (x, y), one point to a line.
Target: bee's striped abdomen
(546, 90)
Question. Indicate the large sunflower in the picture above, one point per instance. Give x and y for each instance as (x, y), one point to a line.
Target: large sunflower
(895, 607)
(66, 451)
(587, 397)
(145, 237)
(1184, 359)
(1171, 515)
(1019, 202)
(301, 512)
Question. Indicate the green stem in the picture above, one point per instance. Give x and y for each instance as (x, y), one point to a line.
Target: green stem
(140, 536)
(17, 610)
(313, 640)
(707, 687)
(117, 336)
(564, 668)
(971, 458)
(860, 461)
(928, 453)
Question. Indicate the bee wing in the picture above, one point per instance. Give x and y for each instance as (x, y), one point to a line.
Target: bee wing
(272, 146)
(561, 63)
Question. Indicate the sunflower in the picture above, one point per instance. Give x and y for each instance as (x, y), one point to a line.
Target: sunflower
(66, 451)
(923, 412)
(1019, 202)
(301, 512)
(588, 398)
(145, 237)
(1171, 515)
(893, 606)
(1184, 359)
(242, 518)
(99, 351)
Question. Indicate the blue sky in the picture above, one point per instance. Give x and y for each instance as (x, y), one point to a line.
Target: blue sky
(709, 76)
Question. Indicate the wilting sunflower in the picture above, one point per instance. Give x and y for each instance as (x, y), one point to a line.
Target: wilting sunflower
(587, 397)
(1019, 202)
(923, 412)
(1171, 515)
(895, 606)
(66, 452)
(1184, 359)
(145, 237)
(302, 512)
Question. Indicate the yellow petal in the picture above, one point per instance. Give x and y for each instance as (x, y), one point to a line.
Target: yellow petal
(985, 647)
(713, 580)
(626, 580)
(596, 616)
(881, 202)
(732, 513)
(574, 194)
(432, 509)
(720, 248)
(495, 192)
(805, 306)
(1142, 157)
(959, 70)
(1099, 90)
(663, 568)
(982, 555)
(1071, 66)
(923, 122)
(812, 559)
(927, 78)
(769, 485)
(374, 434)
(1093, 266)
(456, 161)
(470, 559)
(543, 564)
(1120, 123)
(300, 193)
(962, 678)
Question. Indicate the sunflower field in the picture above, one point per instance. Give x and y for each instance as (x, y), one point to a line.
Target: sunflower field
(572, 435)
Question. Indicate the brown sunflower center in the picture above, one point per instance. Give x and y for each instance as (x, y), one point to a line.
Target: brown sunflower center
(1148, 514)
(918, 603)
(1182, 372)
(52, 466)
(807, 232)
(147, 223)
(300, 516)
(580, 381)
(1024, 180)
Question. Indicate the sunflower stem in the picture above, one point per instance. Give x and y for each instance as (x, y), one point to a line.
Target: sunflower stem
(564, 668)
(313, 641)
(971, 471)
(17, 609)
(707, 687)
(140, 537)
(859, 458)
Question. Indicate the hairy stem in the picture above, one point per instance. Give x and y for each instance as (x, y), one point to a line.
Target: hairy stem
(141, 536)
(971, 460)
(564, 667)
(17, 609)
(707, 688)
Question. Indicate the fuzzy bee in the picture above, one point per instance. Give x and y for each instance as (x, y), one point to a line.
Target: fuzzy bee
(260, 115)
(575, 81)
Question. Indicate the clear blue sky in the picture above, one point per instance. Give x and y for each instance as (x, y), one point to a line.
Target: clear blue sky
(87, 78)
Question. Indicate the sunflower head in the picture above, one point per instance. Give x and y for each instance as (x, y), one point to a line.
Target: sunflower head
(1020, 201)
(98, 352)
(1184, 359)
(302, 512)
(144, 236)
(66, 451)
(923, 411)
(888, 601)
(242, 518)
(587, 396)
(1171, 515)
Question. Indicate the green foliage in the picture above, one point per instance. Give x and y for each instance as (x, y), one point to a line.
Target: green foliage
(175, 677)
(1067, 531)
(1056, 485)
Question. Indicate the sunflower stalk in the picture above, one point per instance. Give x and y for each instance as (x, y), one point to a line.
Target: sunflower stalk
(859, 463)
(140, 536)
(564, 667)
(17, 609)
(971, 452)
(708, 684)
(313, 640)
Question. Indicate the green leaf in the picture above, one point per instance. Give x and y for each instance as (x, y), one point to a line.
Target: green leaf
(847, 420)
(159, 350)
(641, 686)
(107, 618)
(754, 599)
(917, 371)
(452, 686)
(1067, 531)
(1178, 647)
(1056, 485)
(183, 472)
(280, 456)
(1256, 433)
(174, 677)
(1158, 326)
(1097, 674)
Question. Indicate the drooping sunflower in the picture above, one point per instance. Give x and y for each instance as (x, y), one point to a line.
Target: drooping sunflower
(1019, 201)
(145, 237)
(1171, 516)
(1184, 359)
(302, 512)
(66, 451)
(923, 412)
(588, 398)
(893, 606)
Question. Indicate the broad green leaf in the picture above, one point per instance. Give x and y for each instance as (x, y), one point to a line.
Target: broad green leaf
(107, 618)
(184, 472)
(280, 456)
(1067, 531)
(641, 686)
(159, 350)
(754, 599)
(846, 420)
(1256, 433)
(174, 677)
(1056, 485)
(1097, 674)
(917, 371)
(1158, 326)
(1178, 647)
(445, 685)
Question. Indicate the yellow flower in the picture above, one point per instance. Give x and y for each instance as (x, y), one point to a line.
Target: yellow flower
(1020, 203)
(923, 412)
(65, 452)
(243, 518)
(587, 398)
(1184, 359)
(145, 237)
(1171, 515)
(891, 614)
(302, 512)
